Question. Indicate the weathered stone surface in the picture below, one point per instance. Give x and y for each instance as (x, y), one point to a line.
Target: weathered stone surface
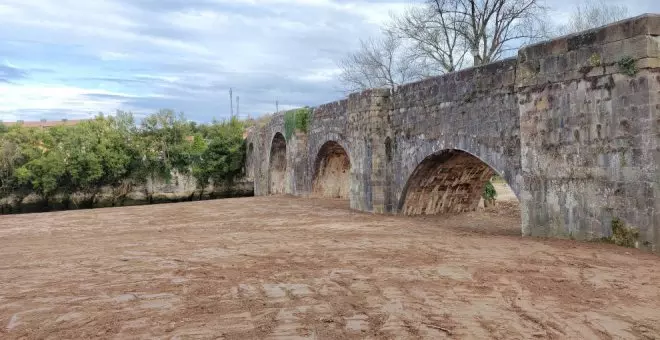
(180, 187)
(573, 132)
(449, 181)
(331, 171)
(277, 174)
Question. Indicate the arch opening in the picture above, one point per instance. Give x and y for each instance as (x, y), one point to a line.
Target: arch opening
(388, 149)
(450, 181)
(277, 165)
(331, 172)
(249, 162)
(389, 206)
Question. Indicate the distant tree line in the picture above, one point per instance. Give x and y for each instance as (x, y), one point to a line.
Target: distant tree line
(434, 37)
(114, 152)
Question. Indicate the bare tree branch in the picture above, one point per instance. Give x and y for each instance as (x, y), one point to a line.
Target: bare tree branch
(489, 28)
(383, 62)
(440, 48)
(591, 14)
(440, 36)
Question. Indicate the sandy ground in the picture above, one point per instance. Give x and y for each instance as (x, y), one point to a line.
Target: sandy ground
(287, 268)
(503, 191)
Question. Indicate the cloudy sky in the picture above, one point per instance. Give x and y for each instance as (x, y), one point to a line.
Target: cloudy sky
(74, 58)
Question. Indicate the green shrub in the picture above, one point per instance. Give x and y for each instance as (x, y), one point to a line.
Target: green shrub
(296, 120)
(622, 235)
(115, 152)
(489, 193)
(627, 66)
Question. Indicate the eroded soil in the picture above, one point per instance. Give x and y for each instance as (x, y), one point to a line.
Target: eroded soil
(282, 267)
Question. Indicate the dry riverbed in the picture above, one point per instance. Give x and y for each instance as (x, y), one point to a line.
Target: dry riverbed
(285, 268)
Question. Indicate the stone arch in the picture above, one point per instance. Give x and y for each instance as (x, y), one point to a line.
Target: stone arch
(331, 171)
(277, 165)
(448, 181)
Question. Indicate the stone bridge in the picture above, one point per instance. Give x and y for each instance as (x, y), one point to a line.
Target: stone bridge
(571, 124)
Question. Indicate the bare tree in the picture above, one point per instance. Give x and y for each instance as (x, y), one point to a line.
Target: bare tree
(383, 62)
(491, 28)
(434, 37)
(440, 36)
(591, 14)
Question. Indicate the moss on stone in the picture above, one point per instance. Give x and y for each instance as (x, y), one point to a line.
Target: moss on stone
(627, 66)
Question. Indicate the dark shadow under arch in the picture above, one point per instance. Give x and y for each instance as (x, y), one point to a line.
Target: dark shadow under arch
(277, 165)
(389, 176)
(449, 181)
(249, 162)
(331, 172)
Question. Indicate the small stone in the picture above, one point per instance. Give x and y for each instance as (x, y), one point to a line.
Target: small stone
(125, 297)
(13, 322)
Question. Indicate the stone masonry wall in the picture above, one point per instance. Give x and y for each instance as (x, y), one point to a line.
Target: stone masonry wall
(473, 110)
(297, 177)
(570, 127)
(450, 181)
(179, 188)
(589, 132)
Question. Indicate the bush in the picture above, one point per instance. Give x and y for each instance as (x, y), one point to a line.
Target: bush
(296, 120)
(114, 152)
(623, 235)
(489, 194)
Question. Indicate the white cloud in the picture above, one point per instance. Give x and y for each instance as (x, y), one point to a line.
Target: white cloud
(52, 98)
(205, 21)
(182, 54)
(189, 50)
(169, 79)
(321, 75)
(109, 55)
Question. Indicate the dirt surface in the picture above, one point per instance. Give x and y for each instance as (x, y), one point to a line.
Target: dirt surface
(286, 268)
